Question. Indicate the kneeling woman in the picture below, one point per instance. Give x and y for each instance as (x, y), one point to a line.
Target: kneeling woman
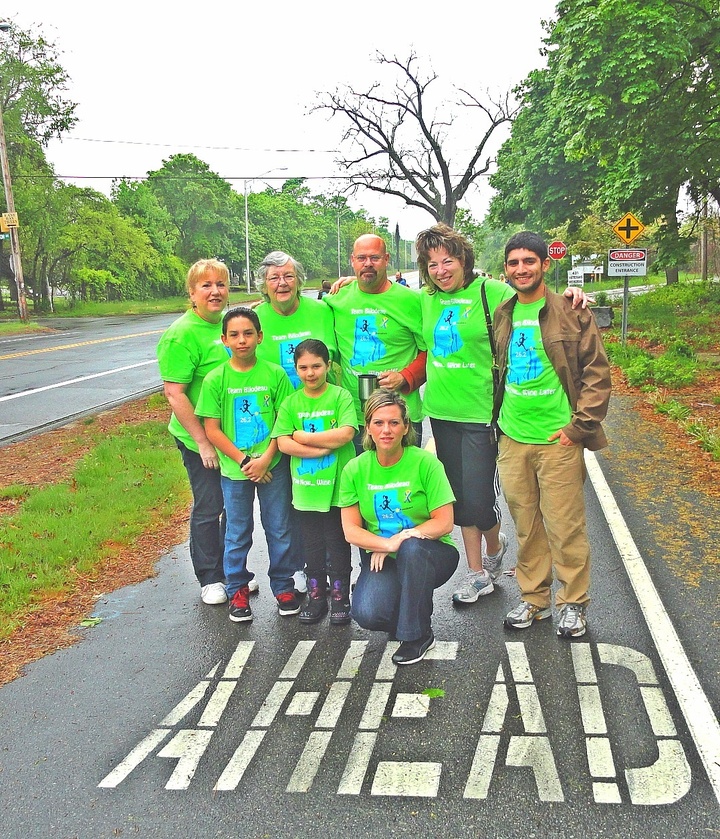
(397, 506)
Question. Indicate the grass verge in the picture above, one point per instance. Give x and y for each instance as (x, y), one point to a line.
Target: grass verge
(125, 483)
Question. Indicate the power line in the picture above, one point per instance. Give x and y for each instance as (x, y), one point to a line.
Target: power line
(187, 146)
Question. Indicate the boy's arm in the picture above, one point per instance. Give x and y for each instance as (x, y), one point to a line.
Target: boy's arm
(257, 469)
(221, 441)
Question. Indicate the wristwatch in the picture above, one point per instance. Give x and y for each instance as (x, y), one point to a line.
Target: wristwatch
(245, 461)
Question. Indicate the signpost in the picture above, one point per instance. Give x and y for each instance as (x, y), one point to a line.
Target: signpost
(627, 263)
(628, 228)
(557, 250)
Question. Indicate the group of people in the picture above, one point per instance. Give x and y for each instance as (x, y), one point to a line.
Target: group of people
(266, 402)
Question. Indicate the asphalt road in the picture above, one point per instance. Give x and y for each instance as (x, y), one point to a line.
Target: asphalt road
(84, 365)
(168, 720)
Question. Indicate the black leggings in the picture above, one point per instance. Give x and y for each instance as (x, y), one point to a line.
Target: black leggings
(324, 545)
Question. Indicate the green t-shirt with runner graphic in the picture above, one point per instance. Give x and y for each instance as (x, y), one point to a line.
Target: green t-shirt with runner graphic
(459, 365)
(398, 497)
(535, 405)
(375, 333)
(246, 403)
(315, 480)
(282, 333)
(187, 351)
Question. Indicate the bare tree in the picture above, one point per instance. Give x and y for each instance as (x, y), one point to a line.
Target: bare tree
(400, 140)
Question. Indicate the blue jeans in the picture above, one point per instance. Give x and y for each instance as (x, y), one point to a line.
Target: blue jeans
(399, 598)
(275, 517)
(207, 519)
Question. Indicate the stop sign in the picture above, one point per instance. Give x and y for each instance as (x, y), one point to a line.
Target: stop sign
(557, 249)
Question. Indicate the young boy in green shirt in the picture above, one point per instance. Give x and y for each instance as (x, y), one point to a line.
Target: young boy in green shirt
(316, 426)
(239, 402)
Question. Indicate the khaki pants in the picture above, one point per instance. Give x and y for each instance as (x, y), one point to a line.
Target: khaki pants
(543, 487)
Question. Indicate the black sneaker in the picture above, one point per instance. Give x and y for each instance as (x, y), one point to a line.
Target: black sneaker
(287, 603)
(339, 604)
(410, 652)
(316, 606)
(240, 605)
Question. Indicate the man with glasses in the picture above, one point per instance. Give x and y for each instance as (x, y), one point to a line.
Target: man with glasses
(287, 318)
(378, 328)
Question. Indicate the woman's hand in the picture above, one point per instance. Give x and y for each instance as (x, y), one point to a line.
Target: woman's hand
(377, 558)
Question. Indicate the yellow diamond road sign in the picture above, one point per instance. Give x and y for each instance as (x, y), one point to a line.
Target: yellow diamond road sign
(628, 228)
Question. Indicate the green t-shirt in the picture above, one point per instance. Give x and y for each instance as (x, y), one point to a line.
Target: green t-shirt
(282, 333)
(534, 404)
(459, 365)
(315, 480)
(395, 498)
(246, 403)
(188, 350)
(377, 332)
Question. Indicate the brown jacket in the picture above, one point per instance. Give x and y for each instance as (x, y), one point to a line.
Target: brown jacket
(574, 345)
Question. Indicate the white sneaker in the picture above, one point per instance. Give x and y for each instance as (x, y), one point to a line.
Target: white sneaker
(300, 582)
(253, 586)
(213, 594)
(493, 563)
(476, 584)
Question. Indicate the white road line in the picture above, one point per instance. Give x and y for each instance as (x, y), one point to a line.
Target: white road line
(701, 721)
(75, 381)
(186, 705)
(358, 762)
(302, 778)
(270, 707)
(238, 660)
(239, 762)
(135, 758)
(333, 705)
(216, 704)
(375, 706)
(302, 703)
(297, 660)
(188, 746)
(353, 659)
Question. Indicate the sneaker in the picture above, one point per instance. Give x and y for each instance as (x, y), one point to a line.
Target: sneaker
(316, 606)
(492, 563)
(525, 613)
(573, 622)
(253, 586)
(287, 603)
(410, 652)
(213, 594)
(476, 584)
(299, 583)
(339, 604)
(240, 606)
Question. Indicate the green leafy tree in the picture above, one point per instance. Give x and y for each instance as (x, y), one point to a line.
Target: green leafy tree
(626, 113)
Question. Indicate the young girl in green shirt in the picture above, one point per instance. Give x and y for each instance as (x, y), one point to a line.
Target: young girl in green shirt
(315, 426)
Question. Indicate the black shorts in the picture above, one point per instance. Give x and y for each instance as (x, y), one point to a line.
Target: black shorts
(468, 452)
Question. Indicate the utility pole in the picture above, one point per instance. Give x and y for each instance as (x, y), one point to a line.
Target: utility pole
(15, 260)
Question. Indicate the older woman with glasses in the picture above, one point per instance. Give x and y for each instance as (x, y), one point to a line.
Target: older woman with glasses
(286, 317)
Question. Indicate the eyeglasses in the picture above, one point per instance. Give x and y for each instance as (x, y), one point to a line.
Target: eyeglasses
(363, 258)
(288, 279)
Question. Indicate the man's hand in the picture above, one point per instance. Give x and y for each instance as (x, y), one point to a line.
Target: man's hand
(579, 298)
(208, 455)
(391, 379)
(562, 437)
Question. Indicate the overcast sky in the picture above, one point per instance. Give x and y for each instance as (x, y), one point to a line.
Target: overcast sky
(233, 84)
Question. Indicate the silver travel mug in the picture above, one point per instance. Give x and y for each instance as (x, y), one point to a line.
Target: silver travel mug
(367, 383)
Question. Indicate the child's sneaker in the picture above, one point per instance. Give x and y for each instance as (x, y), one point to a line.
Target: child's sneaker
(287, 603)
(316, 605)
(240, 605)
(339, 604)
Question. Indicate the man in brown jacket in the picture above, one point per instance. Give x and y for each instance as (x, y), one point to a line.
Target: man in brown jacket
(554, 394)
